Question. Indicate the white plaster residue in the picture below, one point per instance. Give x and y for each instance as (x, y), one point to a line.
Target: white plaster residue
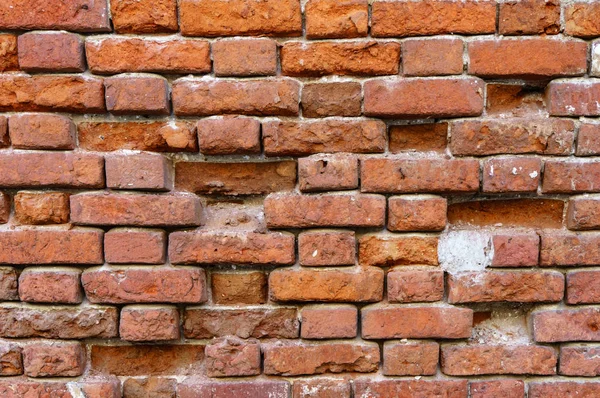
(75, 390)
(505, 326)
(463, 251)
(533, 174)
(596, 59)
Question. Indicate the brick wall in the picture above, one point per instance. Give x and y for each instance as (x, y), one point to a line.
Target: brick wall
(307, 199)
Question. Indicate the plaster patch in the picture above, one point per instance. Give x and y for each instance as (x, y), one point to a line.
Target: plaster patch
(463, 251)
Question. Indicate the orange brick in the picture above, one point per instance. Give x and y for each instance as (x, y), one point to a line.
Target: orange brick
(329, 322)
(151, 172)
(419, 138)
(431, 57)
(245, 57)
(9, 57)
(328, 172)
(332, 19)
(41, 131)
(549, 326)
(239, 288)
(511, 175)
(148, 323)
(137, 95)
(529, 17)
(57, 359)
(37, 285)
(416, 213)
(410, 359)
(582, 213)
(411, 286)
(569, 249)
(326, 248)
(39, 208)
(388, 250)
(228, 135)
(145, 16)
(331, 99)
(135, 246)
(581, 19)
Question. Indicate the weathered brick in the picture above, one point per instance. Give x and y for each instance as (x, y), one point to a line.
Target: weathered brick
(588, 140)
(431, 137)
(432, 57)
(563, 389)
(570, 176)
(41, 131)
(144, 16)
(581, 19)
(118, 285)
(51, 52)
(8, 284)
(580, 361)
(411, 286)
(150, 172)
(514, 100)
(388, 250)
(135, 210)
(137, 95)
(192, 388)
(550, 326)
(307, 359)
(331, 99)
(423, 97)
(515, 249)
(9, 58)
(38, 208)
(266, 97)
(321, 388)
(582, 213)
(228, 135)
(156, 387)
(575, 97)
(326, 210)
(38, 285)
(245, 57)
(17, 388)
(416, 213)
(501, 175)
(369, 387)
(497, 389)
(328, 285)
(569, 249)
(223, 247)
(529, 17)
(583, 287)
(135, 246)
(232, 356)
(11, 361)
(326, 248)
(331, 19)
(148, 323)
(4, 138)
(264, 322)
(55, 359)
(416, 322)
(5, 206)
(329, 322)
(410, 359)
(325, 172)
(98, 386)
(239, 288)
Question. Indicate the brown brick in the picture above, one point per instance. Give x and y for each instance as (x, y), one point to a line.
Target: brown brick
(529, 17)
(156, 387)
(52, 93)
(410, 388)
(569, 249)
(11, 361)
(9, 58)
(4, 138)
(571, 176)
(416, 213)
(328, 285)
(321, 388)
(515, 249)
(239, 288)
(117, 285)
(423, 97)
(325, 172)
(580, 361)
(588, 140)
(547, 57)
(266, 97)
(331, 19)
(389, 250)
(229, 135)
(55, 322)
(583, 325)
(137, 95)
(326, 210)
(419, 138)
(119, 54)
(307, 359)
(563, 389)
(304, 138)
(432, 57)
(192, 388)
(408, 175)
(331, 99)
(155, 136)
(41, 131)
(55, 359)
(38, 208)
(232, 356)
(497, 389)
(582, 213)
(135, 246)
(5, 206)
(135, 210)
(264, 322)
(416, 322)
(521, 174)
(413, 286)
(326, 248)
(514, 100)
(576, 97)
(60, 285)
(245, 57)
(51, 246)
(222, 247)
(51, 52)
(150, 172)
(583, 287)
(410, 359)
(8, 284)
(329, 322)
(144, 16)
(581, 19)
(370, 58)
(149, 323)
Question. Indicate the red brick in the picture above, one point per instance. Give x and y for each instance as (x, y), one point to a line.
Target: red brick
(60, 285)
(51, 93)
(245, 57)
(331, 19)
(501, 175)
(98, 387)
(307, 359)
(55, 359)
(516, 136)
(229, 135)
(118, 285)
(148, 323)
(416, 213)
(321, 388)
(326, 248)
(328, 285)
(466, 360)
(429, 17)
(515, 249)
(331, 99)
(408, 175)
(546, 57)
(145, 16)
(17, 388)
(416, 322)
(51, 52)
(240, 18)
(410, 359)
(432, 57)
(9, 58)
(41, 131)
(135, 210)
(588, 140)
(581, 19)
(222, 247)
(325, 172)
(571, 176)
(423, 97)
(78, 16)
(583, 287)
(264, 322)
(326, 210)
(38, 208)
(577, 97)
(569, 249)
(550, 326)
(304, 138)
(8, 284)
(239, 288)
(135, 246)
(329, 322)
(119, 54)
(514, 100)
(580, 361)
(368, 387)
(266, 97)
(11, 361)
(585, 389)
(389, 250)
(154, 136)
(192, 388)
(431, 137)
(150, 172)
(412, 286)
(232, 356)
(497, 389)
(51, 246)
(582, 213)
(137, 95)
(529, 17)
(58, 322)
(156, 387)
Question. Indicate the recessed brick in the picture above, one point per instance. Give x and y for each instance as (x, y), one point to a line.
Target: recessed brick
(419, 138)
(11, 360)
(232, 356)
(331, 99)
(8, 284)
(239, 288)
(9, 58)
